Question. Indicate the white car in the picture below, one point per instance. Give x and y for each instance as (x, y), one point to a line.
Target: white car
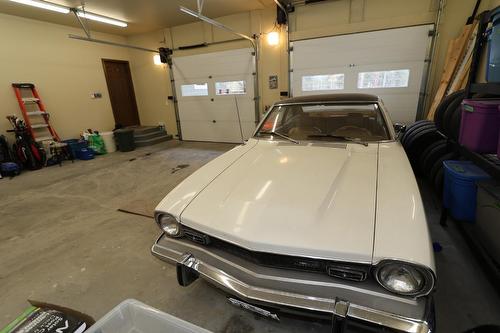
(318, 213)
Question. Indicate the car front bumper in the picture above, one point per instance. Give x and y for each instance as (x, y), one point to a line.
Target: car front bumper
(297, 291)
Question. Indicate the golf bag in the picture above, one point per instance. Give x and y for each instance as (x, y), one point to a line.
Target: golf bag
(27, 151)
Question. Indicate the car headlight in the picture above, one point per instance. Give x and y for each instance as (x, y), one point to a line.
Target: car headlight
(169, 225)
(404, 278)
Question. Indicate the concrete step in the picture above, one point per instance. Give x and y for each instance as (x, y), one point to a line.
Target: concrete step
(152, 141)
(141, 130)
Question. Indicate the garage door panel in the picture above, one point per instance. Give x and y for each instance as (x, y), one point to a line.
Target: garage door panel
(214, 117)
(245, 107)
(358, 57)
(223, 131)
(392, 62)
(402, 106)
(221, 111)
(414, 80)
(217, 63)
(369, 47)
(299, 75)
(248, 80)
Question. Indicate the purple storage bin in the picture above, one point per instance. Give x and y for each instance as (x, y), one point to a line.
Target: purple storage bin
(480, 125)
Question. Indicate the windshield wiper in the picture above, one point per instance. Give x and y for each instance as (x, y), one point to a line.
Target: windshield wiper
(340, 137)
(283, 136)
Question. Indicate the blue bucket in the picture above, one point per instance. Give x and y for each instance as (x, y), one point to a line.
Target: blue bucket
(460, 189)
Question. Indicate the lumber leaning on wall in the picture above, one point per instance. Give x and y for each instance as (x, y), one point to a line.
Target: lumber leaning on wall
(455, 52)
(461, 73)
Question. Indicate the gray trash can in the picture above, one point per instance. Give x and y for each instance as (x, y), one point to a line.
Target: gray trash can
(132, 316)
(125, 139)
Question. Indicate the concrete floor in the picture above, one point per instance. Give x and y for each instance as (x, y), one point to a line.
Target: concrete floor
(63, 241)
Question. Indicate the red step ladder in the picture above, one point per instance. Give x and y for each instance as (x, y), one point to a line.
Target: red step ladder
(26, 94)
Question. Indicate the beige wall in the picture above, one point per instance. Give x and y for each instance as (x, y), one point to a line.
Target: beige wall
(151, 83)
(65, 72)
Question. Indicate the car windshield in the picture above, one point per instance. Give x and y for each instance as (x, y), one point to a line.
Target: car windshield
(326, 122)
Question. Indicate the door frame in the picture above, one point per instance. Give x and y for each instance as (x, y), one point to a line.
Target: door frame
(129, 72)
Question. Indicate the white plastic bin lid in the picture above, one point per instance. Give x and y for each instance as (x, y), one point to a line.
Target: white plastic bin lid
(132, 316)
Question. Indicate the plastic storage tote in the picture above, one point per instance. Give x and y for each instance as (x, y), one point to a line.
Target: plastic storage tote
(460, 189)
(493, 72)
(480, 125)
(125, 139)
(132, 316)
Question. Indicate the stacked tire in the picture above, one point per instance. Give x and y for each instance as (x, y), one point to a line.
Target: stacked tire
(425, 141)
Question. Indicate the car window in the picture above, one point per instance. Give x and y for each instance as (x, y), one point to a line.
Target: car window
(327, 122)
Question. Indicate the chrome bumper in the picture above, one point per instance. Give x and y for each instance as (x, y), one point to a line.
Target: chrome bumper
(193, 261)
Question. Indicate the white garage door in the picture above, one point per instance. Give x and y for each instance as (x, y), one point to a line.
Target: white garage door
(388, 63)
(209, 87)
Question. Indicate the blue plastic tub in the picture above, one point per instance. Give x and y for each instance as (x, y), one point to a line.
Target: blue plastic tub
(85, 154)
(460, 190)
(75, 146)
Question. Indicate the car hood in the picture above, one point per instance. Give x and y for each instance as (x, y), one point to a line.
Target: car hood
(315, 200)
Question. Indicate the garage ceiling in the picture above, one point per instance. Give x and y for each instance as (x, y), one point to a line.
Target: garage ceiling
(142, 15)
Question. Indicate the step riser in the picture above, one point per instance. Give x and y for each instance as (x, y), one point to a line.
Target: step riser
(154, 141)
(142, 131)
(149, 135)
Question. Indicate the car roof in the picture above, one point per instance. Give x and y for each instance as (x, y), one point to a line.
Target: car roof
(352, 97)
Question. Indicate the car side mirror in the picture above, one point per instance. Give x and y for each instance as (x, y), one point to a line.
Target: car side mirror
(399, 128)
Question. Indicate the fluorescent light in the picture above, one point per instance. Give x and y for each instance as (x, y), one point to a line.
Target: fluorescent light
(102, 19)
(44, 5)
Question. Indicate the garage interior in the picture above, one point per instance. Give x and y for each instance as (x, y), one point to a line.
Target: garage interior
(176, 84)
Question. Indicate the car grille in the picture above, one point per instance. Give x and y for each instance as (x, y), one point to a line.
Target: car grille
(341, 270)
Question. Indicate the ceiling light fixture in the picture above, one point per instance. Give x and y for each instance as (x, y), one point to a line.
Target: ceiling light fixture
(273, 38)
(44, 5)
(100, 18)
(157, 59)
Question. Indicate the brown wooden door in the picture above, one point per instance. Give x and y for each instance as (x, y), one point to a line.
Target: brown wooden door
(121, 92)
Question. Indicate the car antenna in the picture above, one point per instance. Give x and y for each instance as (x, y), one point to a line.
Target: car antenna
(239, 119)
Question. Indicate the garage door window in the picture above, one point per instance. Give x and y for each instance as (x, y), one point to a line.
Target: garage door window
(230, 88)
(194, 90)
(384, 79)
(323, 82)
